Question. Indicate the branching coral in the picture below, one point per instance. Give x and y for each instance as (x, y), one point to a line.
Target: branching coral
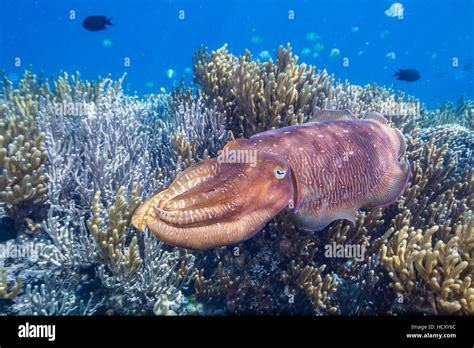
(98, 139)
(157, 284)
(22, 157)
(415, 257)
(110, 235)
(266, 276)
(315, 286)
(59, 295)
(259, 96)
(460, 114)
(71, 244)
(7, 292)
(64, 141)
(428, 249)
(457, 139)
(200, 131)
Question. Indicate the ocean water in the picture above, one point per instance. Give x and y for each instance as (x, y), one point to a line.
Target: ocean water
(434, 37)
(357, 213)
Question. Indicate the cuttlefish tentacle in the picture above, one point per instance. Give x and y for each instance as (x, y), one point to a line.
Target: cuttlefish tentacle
(321, 171)
(187, 180)
(200, 204)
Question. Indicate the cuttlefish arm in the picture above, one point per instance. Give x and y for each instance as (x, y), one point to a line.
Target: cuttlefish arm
(213, 204)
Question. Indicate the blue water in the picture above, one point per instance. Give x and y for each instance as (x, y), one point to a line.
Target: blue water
(430, 37)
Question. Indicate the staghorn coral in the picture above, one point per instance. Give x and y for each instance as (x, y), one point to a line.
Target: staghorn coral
(71, 244)
(156, 287)
(258, 96)
(428, 248)
(7, 292)
(98, 138)
(262, 96)
(135, 272)
(110, 233)
(23, 179)
(461, 114)
(200, 131)
(105, 145)
(418, 260)
(59, 295)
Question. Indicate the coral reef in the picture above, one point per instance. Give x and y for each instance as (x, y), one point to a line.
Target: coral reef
(5, 291)
(156, 287)
(110, 235)
(99, 142)
(262, 96)
(438, 197)
(258, 97)
(71, 151)
(415, 260)
(428, 248)
(448, 113)
(277, 272)
(59, 295)
(23, 188)
(201, 131)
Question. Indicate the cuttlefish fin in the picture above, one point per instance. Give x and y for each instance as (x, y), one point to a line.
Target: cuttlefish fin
(401, 142)
(310, 221)
(375, 116)
(333, 115)
(392, 186)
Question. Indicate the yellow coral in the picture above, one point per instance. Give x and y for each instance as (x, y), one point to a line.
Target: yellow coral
(414, 260)
(110, 234)
(317, 288)
(256, 96)
(5, 292)
(22, 159)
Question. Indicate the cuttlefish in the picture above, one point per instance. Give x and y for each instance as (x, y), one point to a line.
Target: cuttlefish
(320, 171)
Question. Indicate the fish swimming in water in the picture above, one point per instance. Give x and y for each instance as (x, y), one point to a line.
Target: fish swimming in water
(395, 10)
(391, 56)
(320, 171)
(96, 23)
(408, 75)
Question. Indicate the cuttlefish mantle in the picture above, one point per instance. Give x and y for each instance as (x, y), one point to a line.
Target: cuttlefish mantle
(321, 171)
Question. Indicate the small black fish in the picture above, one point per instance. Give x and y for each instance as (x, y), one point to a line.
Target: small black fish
(408, 75)
(96, 23)
(467, 67)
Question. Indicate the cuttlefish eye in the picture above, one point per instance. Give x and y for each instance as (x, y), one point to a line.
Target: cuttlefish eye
(279, 172)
